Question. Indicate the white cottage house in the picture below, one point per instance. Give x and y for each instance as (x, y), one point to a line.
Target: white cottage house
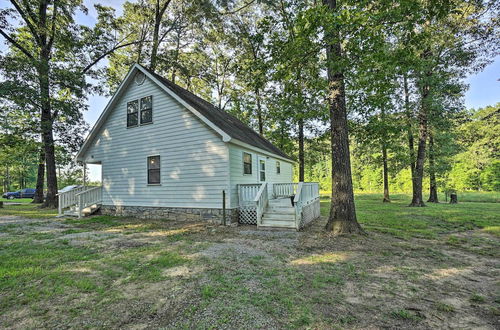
(166, 153)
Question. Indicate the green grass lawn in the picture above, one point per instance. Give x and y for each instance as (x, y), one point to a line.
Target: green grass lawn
(28, 210)
(17, 200)
(432, 267)
(397, 219)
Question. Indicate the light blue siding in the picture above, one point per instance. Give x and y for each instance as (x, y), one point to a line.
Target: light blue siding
(236, 170)
(194, 159)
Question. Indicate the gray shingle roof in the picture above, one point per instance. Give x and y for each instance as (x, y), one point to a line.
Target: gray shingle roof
(231, 125)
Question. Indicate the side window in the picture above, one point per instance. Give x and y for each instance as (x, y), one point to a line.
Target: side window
(154, 170)
(132, 113)
(247, 163)
(262, 170)
(147, 110)
(278, 167)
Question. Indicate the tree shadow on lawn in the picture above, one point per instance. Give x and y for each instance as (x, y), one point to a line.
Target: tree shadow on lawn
(122, 272)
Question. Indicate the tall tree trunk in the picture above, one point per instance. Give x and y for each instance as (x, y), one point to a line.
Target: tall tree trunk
(417, 179)
(46, 120)
(409, 126)
(387, 198)
(156, 37)
(342, 219)
(259, 112)
(433, 196)
(47, 130)
(7, 179)
(301, 150)
(176, 57)
(38, 198)
(159, 11)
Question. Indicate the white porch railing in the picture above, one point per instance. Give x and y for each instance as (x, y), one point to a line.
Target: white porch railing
(284, 189)
(79, 198)
(68, 198)
(247, 204)
(88, 198)
(306, 203)
(261, 201)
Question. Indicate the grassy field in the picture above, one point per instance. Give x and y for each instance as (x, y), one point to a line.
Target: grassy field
(16, 200)
(432, 267)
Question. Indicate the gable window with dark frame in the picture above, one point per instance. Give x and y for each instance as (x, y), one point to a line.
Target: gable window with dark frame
(278, 167)
(140, 111)
(154, 170)
(132, 113)
(247, 163)
(147, 110)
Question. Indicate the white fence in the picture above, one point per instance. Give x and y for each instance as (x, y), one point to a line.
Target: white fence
(284, 189)
(79, 198)
(261, 202)
(247, 206)
(306, 201)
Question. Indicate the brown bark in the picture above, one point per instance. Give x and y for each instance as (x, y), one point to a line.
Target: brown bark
(409, 128)
(433, 196)
(159, 12)
(418, 176)
(259, 112)
(387, 198)
(301, 150)
(342, 218)
(7, 179)
(38, 198)
(453, 198)
(46, 121)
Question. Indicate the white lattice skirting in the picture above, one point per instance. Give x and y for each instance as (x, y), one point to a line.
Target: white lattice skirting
(248, 215)
(310, 212)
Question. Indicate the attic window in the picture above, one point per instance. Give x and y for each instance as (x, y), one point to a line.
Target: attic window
(139, 78)
(132, 113)
(147, 110)
(278, 167)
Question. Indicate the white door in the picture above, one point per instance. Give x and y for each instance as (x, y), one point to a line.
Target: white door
(262, 169)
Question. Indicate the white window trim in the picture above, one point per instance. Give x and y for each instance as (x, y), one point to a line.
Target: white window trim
(278, 162)
(262, 159)
(147, 170)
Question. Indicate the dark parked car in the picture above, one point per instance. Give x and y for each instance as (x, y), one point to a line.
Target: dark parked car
(23, 193)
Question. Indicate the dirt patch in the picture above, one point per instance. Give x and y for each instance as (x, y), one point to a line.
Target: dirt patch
(168, 274)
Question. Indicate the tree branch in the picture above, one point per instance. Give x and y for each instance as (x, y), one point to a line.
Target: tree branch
(53, 30)
(249, 3)
(108, 52)
(16, 44)
(27, 20)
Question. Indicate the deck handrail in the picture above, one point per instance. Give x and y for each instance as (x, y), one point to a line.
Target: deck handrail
(284, 189)
(307, 192)
(87, 198)
(261, 200)
(68, 198)
(248, 191)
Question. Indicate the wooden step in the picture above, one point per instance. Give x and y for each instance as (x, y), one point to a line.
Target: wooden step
(278, 216)
(280, 203)
(73, 212)
(277, 224)
(280, 210)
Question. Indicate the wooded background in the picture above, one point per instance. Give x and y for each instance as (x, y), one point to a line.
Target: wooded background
(292, 70)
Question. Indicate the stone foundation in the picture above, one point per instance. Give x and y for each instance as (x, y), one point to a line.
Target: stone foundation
(171, 213)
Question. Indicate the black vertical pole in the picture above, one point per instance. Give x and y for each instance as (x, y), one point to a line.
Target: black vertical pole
(224, 207)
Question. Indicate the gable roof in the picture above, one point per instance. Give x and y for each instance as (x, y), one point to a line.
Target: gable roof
(225, 124)
(231, 125)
